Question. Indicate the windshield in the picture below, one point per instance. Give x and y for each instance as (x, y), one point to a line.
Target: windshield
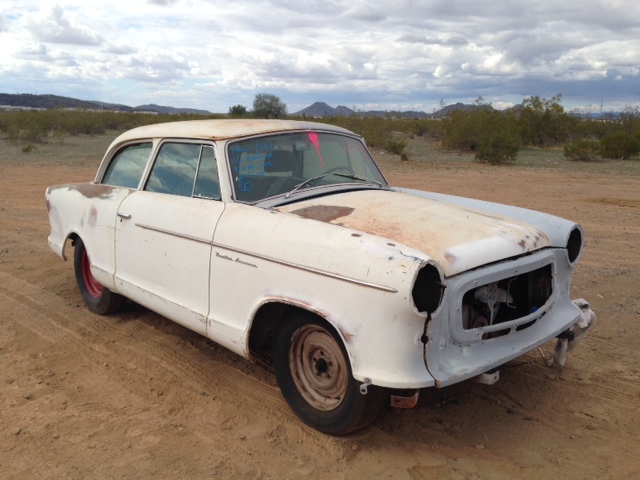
(286, 164)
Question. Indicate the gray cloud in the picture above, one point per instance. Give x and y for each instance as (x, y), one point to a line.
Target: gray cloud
(406, 55)
(56, 28)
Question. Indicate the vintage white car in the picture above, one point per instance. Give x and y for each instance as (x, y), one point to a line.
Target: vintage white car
(282, 241)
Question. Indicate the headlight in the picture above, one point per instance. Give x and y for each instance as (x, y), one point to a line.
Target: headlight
(428, 289)
(574, 245)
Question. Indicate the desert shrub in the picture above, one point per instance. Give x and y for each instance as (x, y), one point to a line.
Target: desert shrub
(28, 148)
(582, 149)
(28, 129)
(619, 145)
(543, 122)
(492, 134)
(396, 144)
(496, 147)
(420, 127)
(462, 129)
(375, 130)
(237, 111)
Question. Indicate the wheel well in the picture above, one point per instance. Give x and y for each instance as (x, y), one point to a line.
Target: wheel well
(73, 237)
(265, 322)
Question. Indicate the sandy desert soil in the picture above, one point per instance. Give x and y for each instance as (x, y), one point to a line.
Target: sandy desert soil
(135, 396)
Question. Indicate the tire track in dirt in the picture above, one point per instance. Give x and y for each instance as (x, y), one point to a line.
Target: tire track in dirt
(183, 364)
(54, 321)
(180, 364)
(581, 364)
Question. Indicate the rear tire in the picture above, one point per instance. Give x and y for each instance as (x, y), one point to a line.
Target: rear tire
(99, 299)
(314, 375)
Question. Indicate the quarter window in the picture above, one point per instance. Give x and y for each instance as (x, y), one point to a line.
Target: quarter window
(126, 167)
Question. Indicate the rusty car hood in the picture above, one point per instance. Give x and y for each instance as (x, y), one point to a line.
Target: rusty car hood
(458, 238)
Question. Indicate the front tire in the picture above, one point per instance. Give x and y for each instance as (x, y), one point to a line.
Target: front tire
(314, 374)
(99, 299)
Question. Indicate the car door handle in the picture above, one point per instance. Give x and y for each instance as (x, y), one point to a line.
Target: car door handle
(124, 215)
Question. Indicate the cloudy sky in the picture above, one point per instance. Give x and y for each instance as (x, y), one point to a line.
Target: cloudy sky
(368, 54)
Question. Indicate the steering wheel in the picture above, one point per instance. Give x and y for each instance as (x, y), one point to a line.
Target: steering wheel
(337, 169)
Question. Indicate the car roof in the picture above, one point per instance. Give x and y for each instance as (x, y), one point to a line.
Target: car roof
(221, 129)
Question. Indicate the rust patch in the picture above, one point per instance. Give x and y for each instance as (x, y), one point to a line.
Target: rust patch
(88, 190)
(347, 336)
(451, 259)
(405, 402)
(93, 216)
(323, 213)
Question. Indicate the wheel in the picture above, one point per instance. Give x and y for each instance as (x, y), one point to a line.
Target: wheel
(99, 299)
(314, 375)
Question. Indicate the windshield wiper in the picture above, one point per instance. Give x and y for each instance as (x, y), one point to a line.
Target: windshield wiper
(356, 177)
(306, 182)
(346, 175)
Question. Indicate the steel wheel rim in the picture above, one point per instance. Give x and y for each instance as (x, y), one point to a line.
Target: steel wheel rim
(318, 367)
(93, 287)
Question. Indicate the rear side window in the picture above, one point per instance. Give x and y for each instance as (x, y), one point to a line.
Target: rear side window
(127, 166)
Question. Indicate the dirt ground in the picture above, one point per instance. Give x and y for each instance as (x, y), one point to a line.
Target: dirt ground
(135, 396)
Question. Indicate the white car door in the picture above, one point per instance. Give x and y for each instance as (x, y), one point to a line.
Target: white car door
(164, 234)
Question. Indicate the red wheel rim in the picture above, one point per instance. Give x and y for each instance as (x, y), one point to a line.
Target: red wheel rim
(93, 287)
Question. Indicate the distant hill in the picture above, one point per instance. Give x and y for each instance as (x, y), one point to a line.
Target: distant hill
(152, 107)
(55, 101)
(443, 112)
(43, 101)
(395, 114)
(321, 109)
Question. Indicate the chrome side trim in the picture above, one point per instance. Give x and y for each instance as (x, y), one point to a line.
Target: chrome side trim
(270, 259)
(306, 269)
(174, 234)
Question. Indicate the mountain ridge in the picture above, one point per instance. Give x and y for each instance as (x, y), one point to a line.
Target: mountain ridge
(48, 101)
(315, 110)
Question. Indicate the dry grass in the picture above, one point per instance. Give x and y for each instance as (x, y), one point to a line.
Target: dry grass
(425, 151)
(81, 149)
(87, 150)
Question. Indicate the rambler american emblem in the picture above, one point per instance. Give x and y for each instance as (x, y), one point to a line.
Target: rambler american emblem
(236, 260)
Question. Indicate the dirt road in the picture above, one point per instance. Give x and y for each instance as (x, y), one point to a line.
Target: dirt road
(136, 396)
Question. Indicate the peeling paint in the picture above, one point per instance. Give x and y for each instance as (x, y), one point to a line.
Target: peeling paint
(459, 238)
(93, 215)
(87, 190)
(451, 259)
(323, 213)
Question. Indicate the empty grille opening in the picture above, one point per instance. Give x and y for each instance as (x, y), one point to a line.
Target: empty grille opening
(507, 300)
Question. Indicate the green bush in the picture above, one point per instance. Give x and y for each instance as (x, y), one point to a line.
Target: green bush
(492, 134)
(543, 122)
(54, 125)
(396, 145)
(497, 147)
(28, 148)
(619, 145)
(582, 149)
